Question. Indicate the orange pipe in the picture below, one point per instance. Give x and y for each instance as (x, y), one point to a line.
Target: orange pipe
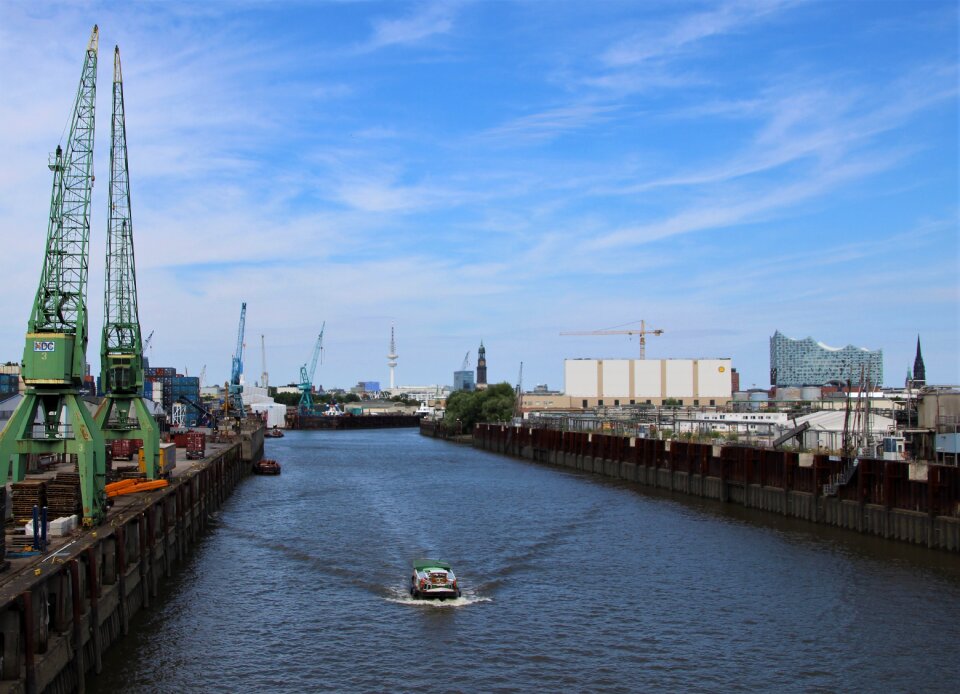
(116, 486)
(143, 487)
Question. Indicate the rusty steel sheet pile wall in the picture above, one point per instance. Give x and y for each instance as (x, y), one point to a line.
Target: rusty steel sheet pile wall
(915, 503)
(58, 617)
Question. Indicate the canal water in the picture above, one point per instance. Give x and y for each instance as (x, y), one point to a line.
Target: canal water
(570, 583)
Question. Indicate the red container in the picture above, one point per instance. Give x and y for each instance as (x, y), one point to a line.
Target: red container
(196, 444)
(122, 449)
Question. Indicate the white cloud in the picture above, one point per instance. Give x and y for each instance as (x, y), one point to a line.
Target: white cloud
(434, 19)
(551, 123)
(665, 41)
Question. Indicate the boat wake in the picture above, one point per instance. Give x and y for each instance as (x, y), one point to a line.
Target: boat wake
(401, 597)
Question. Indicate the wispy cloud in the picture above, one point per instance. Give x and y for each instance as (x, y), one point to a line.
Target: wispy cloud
(818, 123)
(673, 38)
(551, 123)
(748, 207)
(433, 19)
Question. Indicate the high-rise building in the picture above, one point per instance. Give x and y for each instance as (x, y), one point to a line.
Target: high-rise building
(810, 363)
(481, 367)
(919, 370)
(463, 380)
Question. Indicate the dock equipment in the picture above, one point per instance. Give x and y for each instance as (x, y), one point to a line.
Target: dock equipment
(306, 406)
(206, 418)
(642, 332)
(122, 413)
(786, 436)
(234, 401)
(54, 355)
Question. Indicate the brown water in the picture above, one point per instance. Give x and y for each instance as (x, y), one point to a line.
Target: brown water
(569, 583)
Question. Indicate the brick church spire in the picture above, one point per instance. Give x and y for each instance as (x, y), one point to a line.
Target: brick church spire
(919, 371)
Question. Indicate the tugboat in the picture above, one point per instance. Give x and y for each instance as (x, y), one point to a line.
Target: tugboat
(274, 433)
(265, 466)
(433, 578)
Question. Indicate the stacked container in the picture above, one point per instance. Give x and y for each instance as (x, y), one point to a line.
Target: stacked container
(9, 385)
(196, 444)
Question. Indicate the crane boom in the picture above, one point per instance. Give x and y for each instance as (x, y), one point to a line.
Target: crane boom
(237, 369)
(317, 351)
(642, 332)
(54, 355)
(122, 413)
(121, 321)
(146, 343)
(60, 305)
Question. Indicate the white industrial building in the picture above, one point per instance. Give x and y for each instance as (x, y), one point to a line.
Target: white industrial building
(618, 382)
(426, 394)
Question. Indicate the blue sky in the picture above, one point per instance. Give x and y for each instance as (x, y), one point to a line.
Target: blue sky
(505, 171)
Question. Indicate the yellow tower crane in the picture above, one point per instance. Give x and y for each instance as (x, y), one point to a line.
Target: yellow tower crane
(643, 331)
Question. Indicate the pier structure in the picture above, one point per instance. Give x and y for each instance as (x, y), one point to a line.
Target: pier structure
(61, 609)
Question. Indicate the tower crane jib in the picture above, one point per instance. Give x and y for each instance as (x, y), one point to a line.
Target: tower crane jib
(642, 332)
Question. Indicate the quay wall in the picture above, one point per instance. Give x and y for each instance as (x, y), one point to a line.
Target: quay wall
(434, 429)
(59, 615)
(915, 503)
(379, 421)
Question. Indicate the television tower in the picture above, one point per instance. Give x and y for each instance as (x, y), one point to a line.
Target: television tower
(392, 357)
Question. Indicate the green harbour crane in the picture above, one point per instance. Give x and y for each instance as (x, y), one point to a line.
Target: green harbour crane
(122, 413)
(306, 406)
(51, 419)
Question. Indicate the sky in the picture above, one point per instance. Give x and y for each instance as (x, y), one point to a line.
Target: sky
(503, 171)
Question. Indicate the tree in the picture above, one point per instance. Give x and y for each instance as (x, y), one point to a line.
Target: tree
(468, 408)
(289, 399)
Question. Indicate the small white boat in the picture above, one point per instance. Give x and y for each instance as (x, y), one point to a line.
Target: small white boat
(433, 579)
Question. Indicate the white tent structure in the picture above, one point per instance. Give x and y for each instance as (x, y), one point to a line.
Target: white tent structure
(826, 428)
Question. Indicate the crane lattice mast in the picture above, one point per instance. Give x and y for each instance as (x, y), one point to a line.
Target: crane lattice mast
(54, 355)
(122, 413)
